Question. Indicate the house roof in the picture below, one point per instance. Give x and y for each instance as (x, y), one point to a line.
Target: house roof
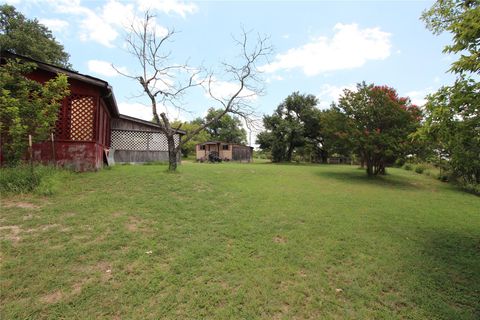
(145, 122)
(107, 90)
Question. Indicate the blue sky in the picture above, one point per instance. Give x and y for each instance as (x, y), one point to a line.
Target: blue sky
(320, 47)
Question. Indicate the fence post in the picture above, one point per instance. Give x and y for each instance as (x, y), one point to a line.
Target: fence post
(53, 150)
(30, 151)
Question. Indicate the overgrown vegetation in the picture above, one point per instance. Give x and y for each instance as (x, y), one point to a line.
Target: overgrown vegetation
(27, 107)
(42, 180)
(241, 241)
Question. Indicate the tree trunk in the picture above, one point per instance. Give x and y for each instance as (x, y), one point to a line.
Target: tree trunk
(172, 152)
(290, 151)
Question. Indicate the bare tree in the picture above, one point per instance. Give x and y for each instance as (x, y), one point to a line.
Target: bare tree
(165, 83)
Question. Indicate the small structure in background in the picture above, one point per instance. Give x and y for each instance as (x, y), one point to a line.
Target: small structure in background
(89, 127)
(338, 159)
(224, 151)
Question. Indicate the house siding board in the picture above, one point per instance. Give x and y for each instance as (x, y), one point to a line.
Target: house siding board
(124, 124)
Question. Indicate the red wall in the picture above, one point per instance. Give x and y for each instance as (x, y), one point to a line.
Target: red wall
(76, 155)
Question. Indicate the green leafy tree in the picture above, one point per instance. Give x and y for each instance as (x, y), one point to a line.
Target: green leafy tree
(295, 124)
(227, 128)
(26, 107)
(30, 38)
(335, 137)
(452, 125)
(452, 113)
(379, 123)
(202, 136)
(461, 18)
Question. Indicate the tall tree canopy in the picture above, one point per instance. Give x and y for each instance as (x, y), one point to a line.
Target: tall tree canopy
(188, 148)
(461, 18)
(26, 107)
(227, 128)
(30, 38)
(379, 123)
(452, 121)
(294, 124)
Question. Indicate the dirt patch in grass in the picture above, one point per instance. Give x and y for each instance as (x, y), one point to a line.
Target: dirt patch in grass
(135, 224)
(23, 205)
(43, 228)
(279, 239)
(69, 214)
(10, 233)
(118, 214)
(28, 217)
(52, 297)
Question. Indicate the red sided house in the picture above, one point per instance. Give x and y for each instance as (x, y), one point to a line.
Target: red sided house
(83, 131)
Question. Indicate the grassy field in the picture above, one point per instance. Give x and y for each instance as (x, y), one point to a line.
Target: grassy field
(238, 241)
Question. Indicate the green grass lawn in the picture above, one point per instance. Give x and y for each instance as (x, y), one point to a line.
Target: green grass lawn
(242, 241)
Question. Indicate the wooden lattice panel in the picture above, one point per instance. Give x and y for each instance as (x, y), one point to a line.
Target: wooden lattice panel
(140, 140)
(82, 110)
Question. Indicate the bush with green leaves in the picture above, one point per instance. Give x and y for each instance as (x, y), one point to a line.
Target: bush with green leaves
(27, 107)
(420, 168)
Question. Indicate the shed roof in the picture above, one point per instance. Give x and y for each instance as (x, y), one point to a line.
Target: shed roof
(145, 122)
(222, 142)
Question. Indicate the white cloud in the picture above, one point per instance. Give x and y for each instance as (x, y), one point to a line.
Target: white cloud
(136, 110)
(274, 78)
(92, 26)
(418, 96)
(100, 24)
(168, 6)
(104, 68)
(331, 93)
(350, 47)
(144, 111)
(117, 13)
(56, 25)
(224, 90)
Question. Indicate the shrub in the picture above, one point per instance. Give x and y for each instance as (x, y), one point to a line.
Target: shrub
(420, 168)
(408, 166)
(399, 162)
(472, 188)
(443, 177)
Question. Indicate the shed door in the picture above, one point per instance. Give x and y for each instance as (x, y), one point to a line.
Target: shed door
(240, 154)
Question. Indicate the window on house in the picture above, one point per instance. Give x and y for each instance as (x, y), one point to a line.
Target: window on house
(225, 147)
(202, 147)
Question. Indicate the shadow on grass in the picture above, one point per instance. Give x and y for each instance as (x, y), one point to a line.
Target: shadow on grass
(360, 177)
(451, 272)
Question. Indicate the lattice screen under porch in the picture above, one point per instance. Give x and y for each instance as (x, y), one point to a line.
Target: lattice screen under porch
(75, 122)
(140, 140)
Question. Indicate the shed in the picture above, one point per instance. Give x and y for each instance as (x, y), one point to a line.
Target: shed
(83, 134)
(224, 150)
(136, 141)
